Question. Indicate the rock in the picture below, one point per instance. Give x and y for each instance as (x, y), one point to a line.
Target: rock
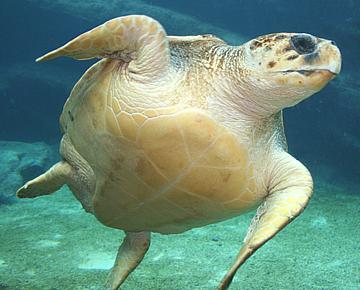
(20, 162)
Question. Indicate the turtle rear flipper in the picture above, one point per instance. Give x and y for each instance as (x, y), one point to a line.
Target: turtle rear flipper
(135, 39)
(46, 183)
(130, 254)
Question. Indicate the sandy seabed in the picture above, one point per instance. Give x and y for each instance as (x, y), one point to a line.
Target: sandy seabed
(51, 243)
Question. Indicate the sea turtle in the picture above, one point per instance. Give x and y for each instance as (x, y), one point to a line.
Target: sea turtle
(168, 133)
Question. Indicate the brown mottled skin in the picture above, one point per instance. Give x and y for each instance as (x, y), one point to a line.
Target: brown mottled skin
(167, 133)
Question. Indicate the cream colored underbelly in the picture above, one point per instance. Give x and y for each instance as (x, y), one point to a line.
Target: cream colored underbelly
(171, 173)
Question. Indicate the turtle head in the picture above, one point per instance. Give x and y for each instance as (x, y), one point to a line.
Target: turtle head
(289, 67)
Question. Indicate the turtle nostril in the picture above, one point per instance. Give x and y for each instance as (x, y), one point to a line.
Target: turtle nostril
(303, 43)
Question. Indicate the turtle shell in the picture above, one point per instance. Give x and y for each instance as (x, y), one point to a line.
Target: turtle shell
(165, 169)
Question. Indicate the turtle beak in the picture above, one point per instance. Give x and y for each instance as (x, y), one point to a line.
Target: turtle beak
(330, 57)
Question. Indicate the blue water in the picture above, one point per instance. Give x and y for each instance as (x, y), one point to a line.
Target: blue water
(322, 131)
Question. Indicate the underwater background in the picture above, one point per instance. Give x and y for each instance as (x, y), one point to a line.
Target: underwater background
(51, 243)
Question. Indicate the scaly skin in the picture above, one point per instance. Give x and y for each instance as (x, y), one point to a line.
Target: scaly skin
(180, 132)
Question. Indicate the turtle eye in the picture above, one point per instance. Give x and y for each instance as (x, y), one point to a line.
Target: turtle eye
(303, 43)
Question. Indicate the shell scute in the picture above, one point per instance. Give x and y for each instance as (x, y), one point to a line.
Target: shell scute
(226, 152)
(150, 174)
(163, 144)
(198, 131)
(128, 126)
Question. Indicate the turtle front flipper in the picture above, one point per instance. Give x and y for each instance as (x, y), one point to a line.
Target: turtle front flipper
(136, 39)
(290, 189)
(46, 183)
(130, 254)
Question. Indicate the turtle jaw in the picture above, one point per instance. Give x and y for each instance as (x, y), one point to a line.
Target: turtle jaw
(307, 72)
(310, 75)
(306, 81)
